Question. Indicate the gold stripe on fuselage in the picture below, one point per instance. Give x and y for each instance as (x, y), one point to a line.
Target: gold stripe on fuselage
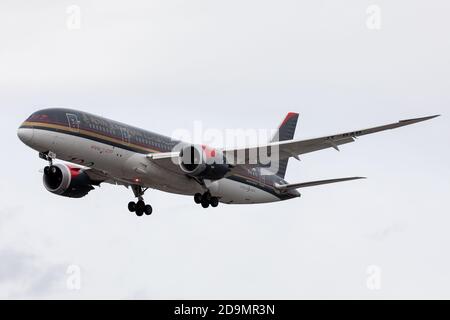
(69, 130)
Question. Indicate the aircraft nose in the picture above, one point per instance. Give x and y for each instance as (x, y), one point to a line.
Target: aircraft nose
(25, 135)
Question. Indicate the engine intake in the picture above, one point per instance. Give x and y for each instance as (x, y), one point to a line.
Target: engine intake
(203, 162)
(67, 181)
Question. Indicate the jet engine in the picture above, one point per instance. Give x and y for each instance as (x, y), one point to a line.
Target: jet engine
(67, 181)
(203, 162)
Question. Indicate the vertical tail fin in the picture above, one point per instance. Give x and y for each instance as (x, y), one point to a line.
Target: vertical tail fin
(285, 132)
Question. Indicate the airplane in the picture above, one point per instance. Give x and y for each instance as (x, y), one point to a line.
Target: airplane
(96, 150)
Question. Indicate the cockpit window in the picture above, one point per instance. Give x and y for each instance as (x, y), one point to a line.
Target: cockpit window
(38, 117)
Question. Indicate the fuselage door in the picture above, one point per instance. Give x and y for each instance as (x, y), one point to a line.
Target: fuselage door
(74, 123)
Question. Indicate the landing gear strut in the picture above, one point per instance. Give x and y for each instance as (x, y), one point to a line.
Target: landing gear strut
(48, 156)
(140, 208)
(206, 200)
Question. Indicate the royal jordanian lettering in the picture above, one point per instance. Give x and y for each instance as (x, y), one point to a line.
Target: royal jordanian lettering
(95, 150)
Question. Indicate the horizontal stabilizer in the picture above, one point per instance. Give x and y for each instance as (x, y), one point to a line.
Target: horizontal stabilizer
(287, 187)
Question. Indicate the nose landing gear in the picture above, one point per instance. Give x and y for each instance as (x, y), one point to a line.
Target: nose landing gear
(206, 200)
(140, 208)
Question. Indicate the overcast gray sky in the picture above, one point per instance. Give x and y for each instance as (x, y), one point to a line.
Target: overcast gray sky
(161, 65)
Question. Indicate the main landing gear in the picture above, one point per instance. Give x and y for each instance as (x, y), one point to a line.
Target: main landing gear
(206, 200)
(140, 208)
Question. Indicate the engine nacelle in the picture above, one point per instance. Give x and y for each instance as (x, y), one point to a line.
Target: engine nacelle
(67, 181)
(203, 162)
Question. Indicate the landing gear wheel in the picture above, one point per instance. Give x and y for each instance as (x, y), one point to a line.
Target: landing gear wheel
(132, 207)
(140, 204)
(205, 203)
(140, 208)
(148, 210)
(214, 202)
(198, 198)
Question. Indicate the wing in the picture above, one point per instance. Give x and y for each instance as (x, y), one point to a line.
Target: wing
(294, 148)
(167, 160)
(98, 176)
(287, 187)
